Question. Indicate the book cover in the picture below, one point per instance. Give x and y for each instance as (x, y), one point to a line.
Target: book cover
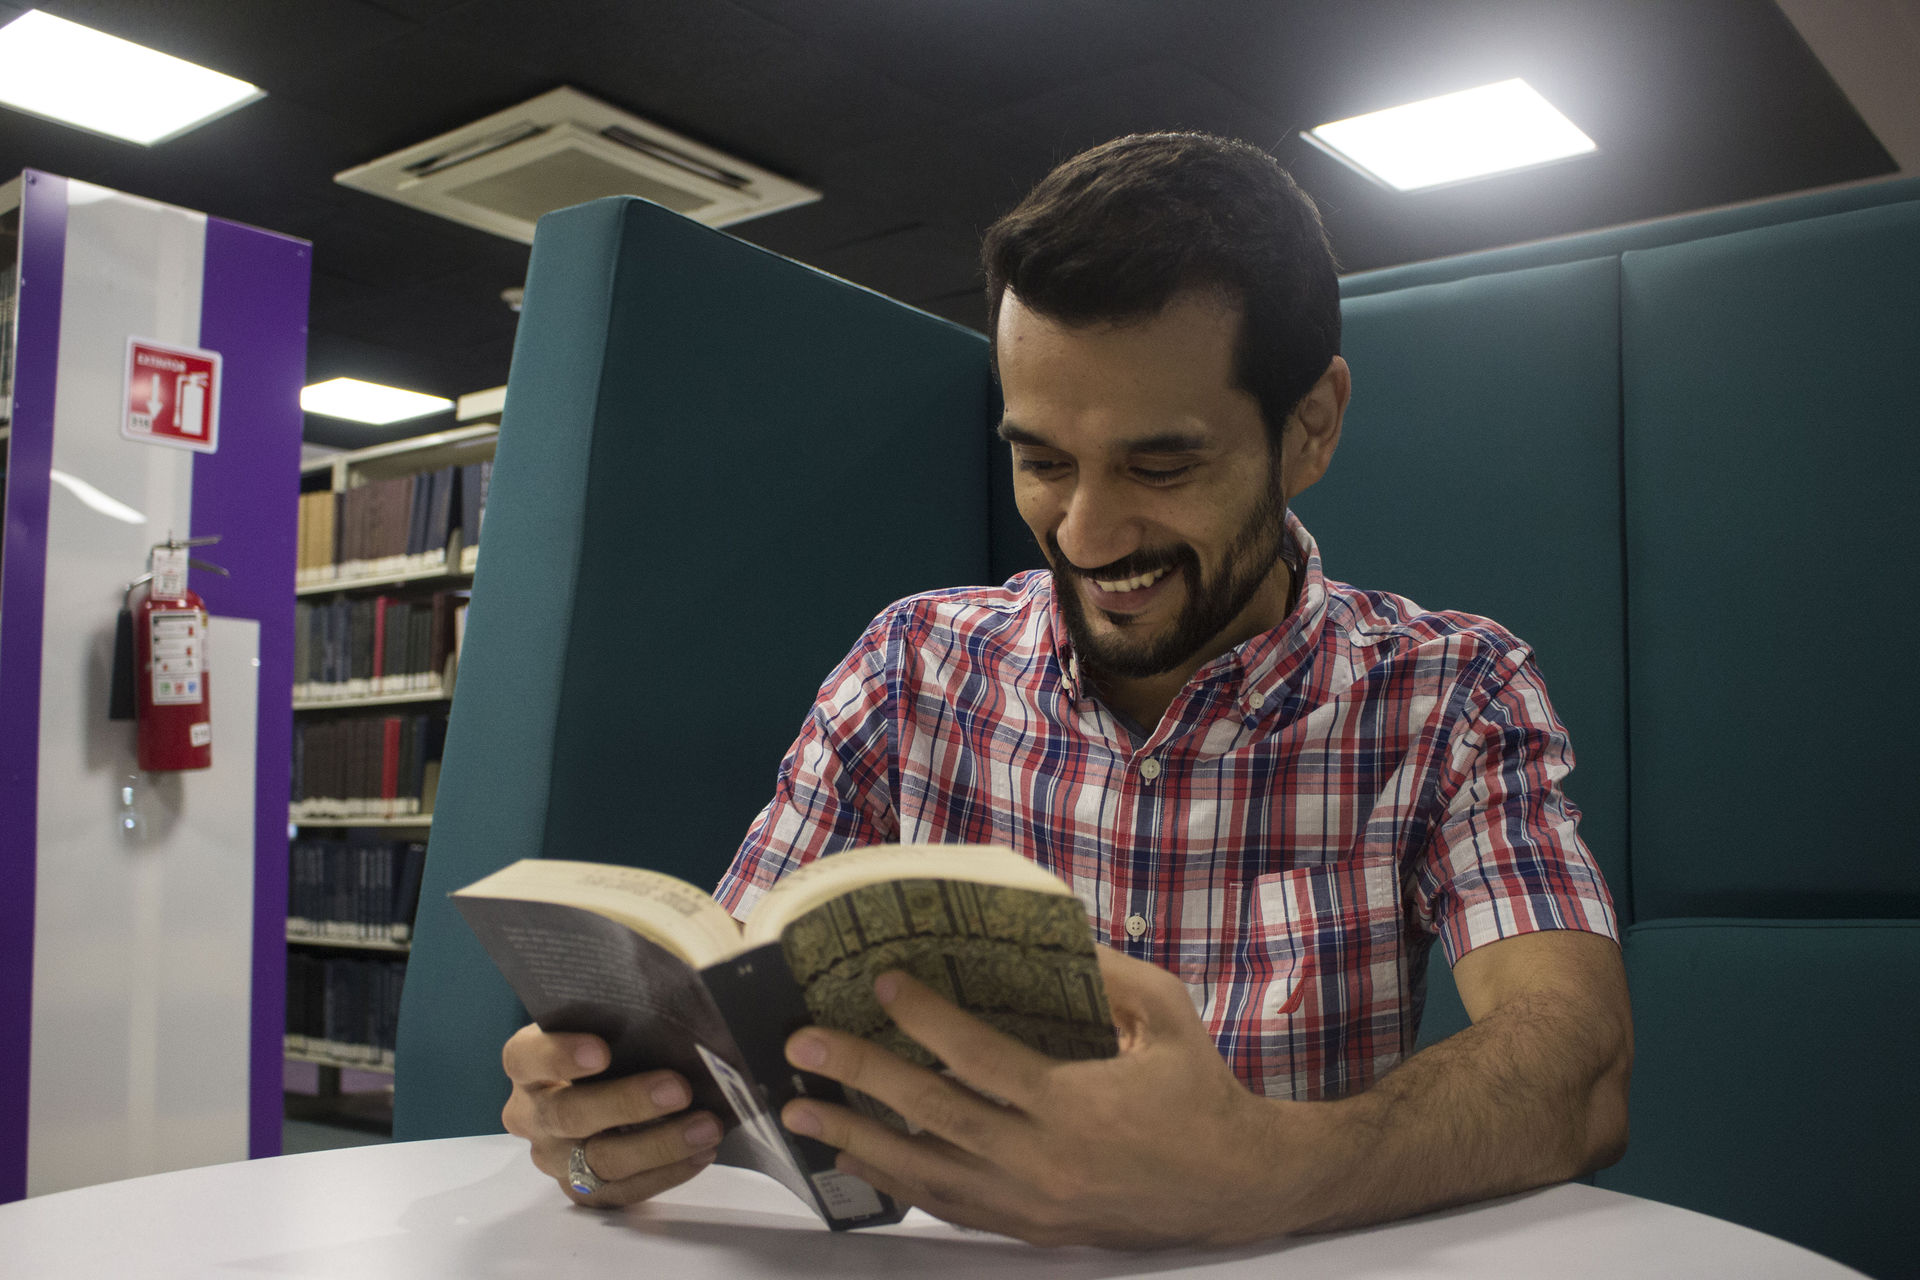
(678, 983)
(412, 857)
(442, 633)
(470, 505)
(577, 971)
(328, 538)
(417, 504)
(441, 514)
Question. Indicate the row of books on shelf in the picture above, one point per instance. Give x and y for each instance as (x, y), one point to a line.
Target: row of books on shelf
(400, 525)
(346, 1008)
(367, 766)
(354, 889)
(357, 647)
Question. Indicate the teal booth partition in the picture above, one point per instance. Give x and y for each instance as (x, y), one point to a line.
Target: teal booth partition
(715, 467)
(1678, 459)
(1772, 459)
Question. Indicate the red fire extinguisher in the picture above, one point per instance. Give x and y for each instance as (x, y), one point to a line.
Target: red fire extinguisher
(168, 622)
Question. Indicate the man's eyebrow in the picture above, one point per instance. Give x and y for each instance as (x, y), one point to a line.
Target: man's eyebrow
(1159, 442)
(1166, 442)
(1020, 435)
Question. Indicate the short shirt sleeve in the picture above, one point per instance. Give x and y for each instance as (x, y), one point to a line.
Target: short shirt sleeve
(1506, 856)
(835, 787)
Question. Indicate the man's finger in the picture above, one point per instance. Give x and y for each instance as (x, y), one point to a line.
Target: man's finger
(533, 1056)
(619, 1154)
(553, 1159)
(982, 1057)
(926, 1099)
(921, 1169)
(577, 1111)
(1144, 997)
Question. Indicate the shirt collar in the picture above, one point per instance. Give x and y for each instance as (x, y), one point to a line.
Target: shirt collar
(1262, 665)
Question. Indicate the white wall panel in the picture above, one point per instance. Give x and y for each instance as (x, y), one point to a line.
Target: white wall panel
(143, 938)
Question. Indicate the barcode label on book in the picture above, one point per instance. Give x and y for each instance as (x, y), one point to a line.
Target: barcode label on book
(845, 1195)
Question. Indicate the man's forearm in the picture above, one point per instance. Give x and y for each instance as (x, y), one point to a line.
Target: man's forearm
(1534, 1093)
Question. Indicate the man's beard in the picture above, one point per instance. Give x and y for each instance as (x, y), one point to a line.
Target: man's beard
(1210, 605)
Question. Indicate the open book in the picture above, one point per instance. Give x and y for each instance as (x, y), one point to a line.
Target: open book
(660, 971)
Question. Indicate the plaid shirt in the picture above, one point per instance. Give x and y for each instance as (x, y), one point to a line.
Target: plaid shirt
(1314, 808)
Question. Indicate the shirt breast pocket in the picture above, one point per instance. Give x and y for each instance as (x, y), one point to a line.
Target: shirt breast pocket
(1326, 949)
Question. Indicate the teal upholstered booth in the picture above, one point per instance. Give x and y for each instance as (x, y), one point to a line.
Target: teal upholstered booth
(715, 466)
(1678, 459)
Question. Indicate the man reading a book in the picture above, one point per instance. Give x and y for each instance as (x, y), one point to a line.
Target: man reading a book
(1273, 791)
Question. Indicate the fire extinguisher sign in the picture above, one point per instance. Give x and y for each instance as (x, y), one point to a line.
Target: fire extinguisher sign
(173, 395)
(179, 639)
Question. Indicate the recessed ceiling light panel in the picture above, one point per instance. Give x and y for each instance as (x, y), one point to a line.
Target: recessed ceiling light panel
(85, 78)
(1475, 133)
(359, 401)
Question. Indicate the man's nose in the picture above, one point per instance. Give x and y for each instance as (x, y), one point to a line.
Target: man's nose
(1097, 527)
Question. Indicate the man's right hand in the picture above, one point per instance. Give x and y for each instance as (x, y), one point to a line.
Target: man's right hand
(640, 1139)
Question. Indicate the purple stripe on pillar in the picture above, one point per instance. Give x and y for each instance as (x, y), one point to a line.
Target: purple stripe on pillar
(253, 311)
(23, 584)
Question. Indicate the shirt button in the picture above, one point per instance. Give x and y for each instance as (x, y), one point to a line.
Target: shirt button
(1136, 925)
(1257, 700)
(1149, 768)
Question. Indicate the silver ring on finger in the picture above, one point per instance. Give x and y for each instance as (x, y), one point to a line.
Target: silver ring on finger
(580, 1175)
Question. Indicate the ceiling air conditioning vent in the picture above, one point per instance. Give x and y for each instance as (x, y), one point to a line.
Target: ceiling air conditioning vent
(501, 173)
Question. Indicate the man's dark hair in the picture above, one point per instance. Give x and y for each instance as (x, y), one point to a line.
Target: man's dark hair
(1116, 233)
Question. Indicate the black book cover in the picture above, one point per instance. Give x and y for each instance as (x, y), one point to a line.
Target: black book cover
(470, 505)
(366, 886)
(723, 1029)
(361, 667)
(408, 774)
(406, 888)
(440, 516)
(417, 514)
(302, 641)
(757, 997)
(379, 915)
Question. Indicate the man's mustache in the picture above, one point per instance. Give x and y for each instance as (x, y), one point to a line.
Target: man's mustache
(1129, 566)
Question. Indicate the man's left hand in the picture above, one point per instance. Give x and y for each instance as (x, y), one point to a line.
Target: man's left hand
(1160, 1145)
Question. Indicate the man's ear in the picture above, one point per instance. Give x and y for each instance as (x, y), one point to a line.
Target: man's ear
(1309, 444)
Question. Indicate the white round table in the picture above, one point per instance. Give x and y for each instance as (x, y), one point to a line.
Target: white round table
(475, 1207)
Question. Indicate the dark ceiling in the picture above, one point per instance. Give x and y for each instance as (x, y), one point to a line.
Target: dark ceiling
(922, 120)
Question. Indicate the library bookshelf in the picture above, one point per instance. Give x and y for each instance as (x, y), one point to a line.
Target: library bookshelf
(389, 540)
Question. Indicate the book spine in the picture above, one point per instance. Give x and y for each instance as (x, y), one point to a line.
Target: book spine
(406, 897)
(389, 763)
(417, 519)
(379, 673)
(302, 648)
(442, 641)
(441, 520)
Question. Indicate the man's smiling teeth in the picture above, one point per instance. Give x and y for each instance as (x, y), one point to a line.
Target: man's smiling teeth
(1136, 583)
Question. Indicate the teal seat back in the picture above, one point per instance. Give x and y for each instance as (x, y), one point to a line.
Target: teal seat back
(1771, 466)
(1772, 425)
(1774, 1078)
(715, 466)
